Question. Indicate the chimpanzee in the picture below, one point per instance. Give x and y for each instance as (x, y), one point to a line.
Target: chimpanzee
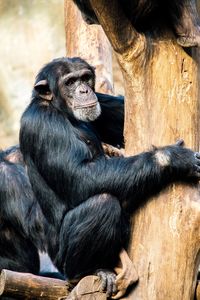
(180, 15)
(86, 196)
(21, 226)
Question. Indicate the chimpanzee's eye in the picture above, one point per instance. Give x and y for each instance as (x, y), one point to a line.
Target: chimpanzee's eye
(85, 77)
(70, 81)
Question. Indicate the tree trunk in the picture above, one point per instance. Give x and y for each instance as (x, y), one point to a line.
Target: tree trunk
(162, 93)
(166, 233)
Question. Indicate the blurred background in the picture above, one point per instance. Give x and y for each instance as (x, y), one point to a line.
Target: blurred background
(32, 34)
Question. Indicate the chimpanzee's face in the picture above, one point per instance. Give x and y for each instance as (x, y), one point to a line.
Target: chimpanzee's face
(77, 90)
(73, 85)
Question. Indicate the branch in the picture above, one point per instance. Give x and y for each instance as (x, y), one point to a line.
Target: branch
(28, 286)
(119, 30)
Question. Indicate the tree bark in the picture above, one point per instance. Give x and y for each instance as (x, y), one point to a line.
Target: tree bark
(162, 93)
(28, 286)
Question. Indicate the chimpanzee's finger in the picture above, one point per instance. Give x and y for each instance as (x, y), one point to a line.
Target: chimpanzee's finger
(197, 155)
(103, 278)
(180, 142)
(197, 168)
(109, 287)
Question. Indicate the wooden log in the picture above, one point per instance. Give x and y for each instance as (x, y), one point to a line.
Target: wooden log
(29, 286)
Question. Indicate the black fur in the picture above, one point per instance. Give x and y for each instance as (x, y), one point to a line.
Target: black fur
(110, 124)
(148, 15)
(84, 195)
(21, 226)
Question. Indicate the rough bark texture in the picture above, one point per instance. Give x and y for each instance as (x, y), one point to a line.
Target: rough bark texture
(166, 234)
(161, 84)
(28, 286)
(87, 289)
(162, 93)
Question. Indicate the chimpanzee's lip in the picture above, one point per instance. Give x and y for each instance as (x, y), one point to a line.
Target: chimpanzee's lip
(90, 104)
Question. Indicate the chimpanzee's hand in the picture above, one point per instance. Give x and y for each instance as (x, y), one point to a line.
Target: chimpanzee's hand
(181, 162)
(108, 280)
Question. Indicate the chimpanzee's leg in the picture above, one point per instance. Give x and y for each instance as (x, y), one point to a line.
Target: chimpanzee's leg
(91, 237)
(186, 22)
(17, 253)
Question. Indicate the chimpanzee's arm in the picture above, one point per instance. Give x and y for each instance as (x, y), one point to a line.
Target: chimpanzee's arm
(63, 160)
(18, 206)
(110, 124)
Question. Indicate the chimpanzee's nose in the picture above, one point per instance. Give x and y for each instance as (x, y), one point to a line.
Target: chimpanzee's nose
(83, 90)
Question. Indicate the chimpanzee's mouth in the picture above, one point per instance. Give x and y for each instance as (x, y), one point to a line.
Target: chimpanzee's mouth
(87, 112)
(86, 105)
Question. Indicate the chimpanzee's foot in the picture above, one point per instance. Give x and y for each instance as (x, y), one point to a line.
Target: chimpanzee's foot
(71, 284)
(190, 40)
(187, 24)
(108, 280)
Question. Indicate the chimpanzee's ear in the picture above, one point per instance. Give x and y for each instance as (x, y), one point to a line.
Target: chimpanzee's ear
(43, 90)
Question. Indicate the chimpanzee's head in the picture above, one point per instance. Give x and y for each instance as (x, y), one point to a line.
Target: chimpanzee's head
(69, 85)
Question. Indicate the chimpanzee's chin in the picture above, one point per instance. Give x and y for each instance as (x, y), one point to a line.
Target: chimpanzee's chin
(88, 114)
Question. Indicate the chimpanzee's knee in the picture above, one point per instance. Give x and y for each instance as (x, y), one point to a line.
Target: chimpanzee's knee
(91, 236)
